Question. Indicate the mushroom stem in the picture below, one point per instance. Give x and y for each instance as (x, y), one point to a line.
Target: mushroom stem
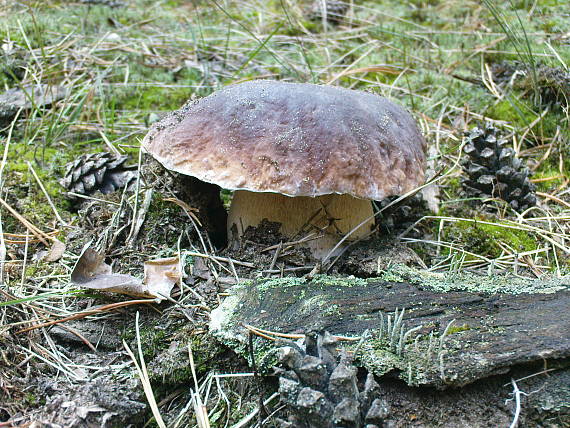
(329, 216)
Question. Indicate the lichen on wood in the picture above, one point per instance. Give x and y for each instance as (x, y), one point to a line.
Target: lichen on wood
(454, 331)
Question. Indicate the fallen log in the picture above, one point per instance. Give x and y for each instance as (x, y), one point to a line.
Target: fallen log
(448, 350)
(449, 334)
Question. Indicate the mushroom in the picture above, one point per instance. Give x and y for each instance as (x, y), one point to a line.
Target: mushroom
(310, 157)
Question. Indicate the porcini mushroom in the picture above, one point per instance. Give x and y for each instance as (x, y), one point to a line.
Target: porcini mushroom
(298, 154)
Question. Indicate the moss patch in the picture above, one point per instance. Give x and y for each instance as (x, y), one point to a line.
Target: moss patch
(489, 239)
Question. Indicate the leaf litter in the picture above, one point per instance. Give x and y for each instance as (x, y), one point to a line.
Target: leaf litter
(160, 276)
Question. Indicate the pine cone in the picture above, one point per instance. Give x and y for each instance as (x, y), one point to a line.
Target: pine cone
(335, 11)
(495, 171)
(507, 72)
(401, 216)
(553, 83)
(103, 172)
(320, 389)
(554, 86)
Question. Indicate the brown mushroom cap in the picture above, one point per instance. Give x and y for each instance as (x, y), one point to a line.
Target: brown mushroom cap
(297, 139)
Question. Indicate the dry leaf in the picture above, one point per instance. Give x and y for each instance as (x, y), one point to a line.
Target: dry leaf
(89, 265)
(160, 276)
(56, 251)
(51, 254)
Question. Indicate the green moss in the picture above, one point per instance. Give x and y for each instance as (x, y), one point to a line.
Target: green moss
(513, 111)
(33, 400)
(226, 197)
(165, 350)
(378, 359)
(458, 329)
(548, 171)
(153, 98)
(171, 366)
(314, 304)
(152, 340)
(159, 208)
(487, 239)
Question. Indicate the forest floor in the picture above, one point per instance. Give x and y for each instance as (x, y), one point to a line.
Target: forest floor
(91, 76)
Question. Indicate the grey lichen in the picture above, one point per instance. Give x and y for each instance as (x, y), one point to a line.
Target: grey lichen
(421, 352)
(465, 281)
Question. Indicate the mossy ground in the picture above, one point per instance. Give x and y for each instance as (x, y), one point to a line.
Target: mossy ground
(126, 66)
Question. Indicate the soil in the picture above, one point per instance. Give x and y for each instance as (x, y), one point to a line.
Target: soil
(485, 403)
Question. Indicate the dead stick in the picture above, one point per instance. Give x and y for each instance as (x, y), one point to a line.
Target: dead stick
(42, 236)
(46, 194)
(87, 313)
(553, 198)
(80, 336)
(219, 259)
(22, 235)
(292, 336)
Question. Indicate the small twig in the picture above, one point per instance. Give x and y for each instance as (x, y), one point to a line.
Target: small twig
(143, 374)
(310, 237)
(245, 421)
(542, 372)
(219, 259)
(87, 313)
(108, 143)
(292, 269)
(91, 198)
(42, 236)
(187, 208)
(14, 422)
(262, 410)
(554, 198)
(258, 333)
(533, 123)
(234, 270)
(268, 333)
(517, 393)
(199, 407)
(137, 190)
(7, 146)
(140, 217)
(3, 250)
(80, 336)
(275, 257)
(25, 260)
(46, 194)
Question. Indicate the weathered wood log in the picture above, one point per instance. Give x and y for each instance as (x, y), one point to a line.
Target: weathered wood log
(450, 334)
(26, 98)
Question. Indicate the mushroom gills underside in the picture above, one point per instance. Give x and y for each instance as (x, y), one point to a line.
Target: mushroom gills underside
(326, 218)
